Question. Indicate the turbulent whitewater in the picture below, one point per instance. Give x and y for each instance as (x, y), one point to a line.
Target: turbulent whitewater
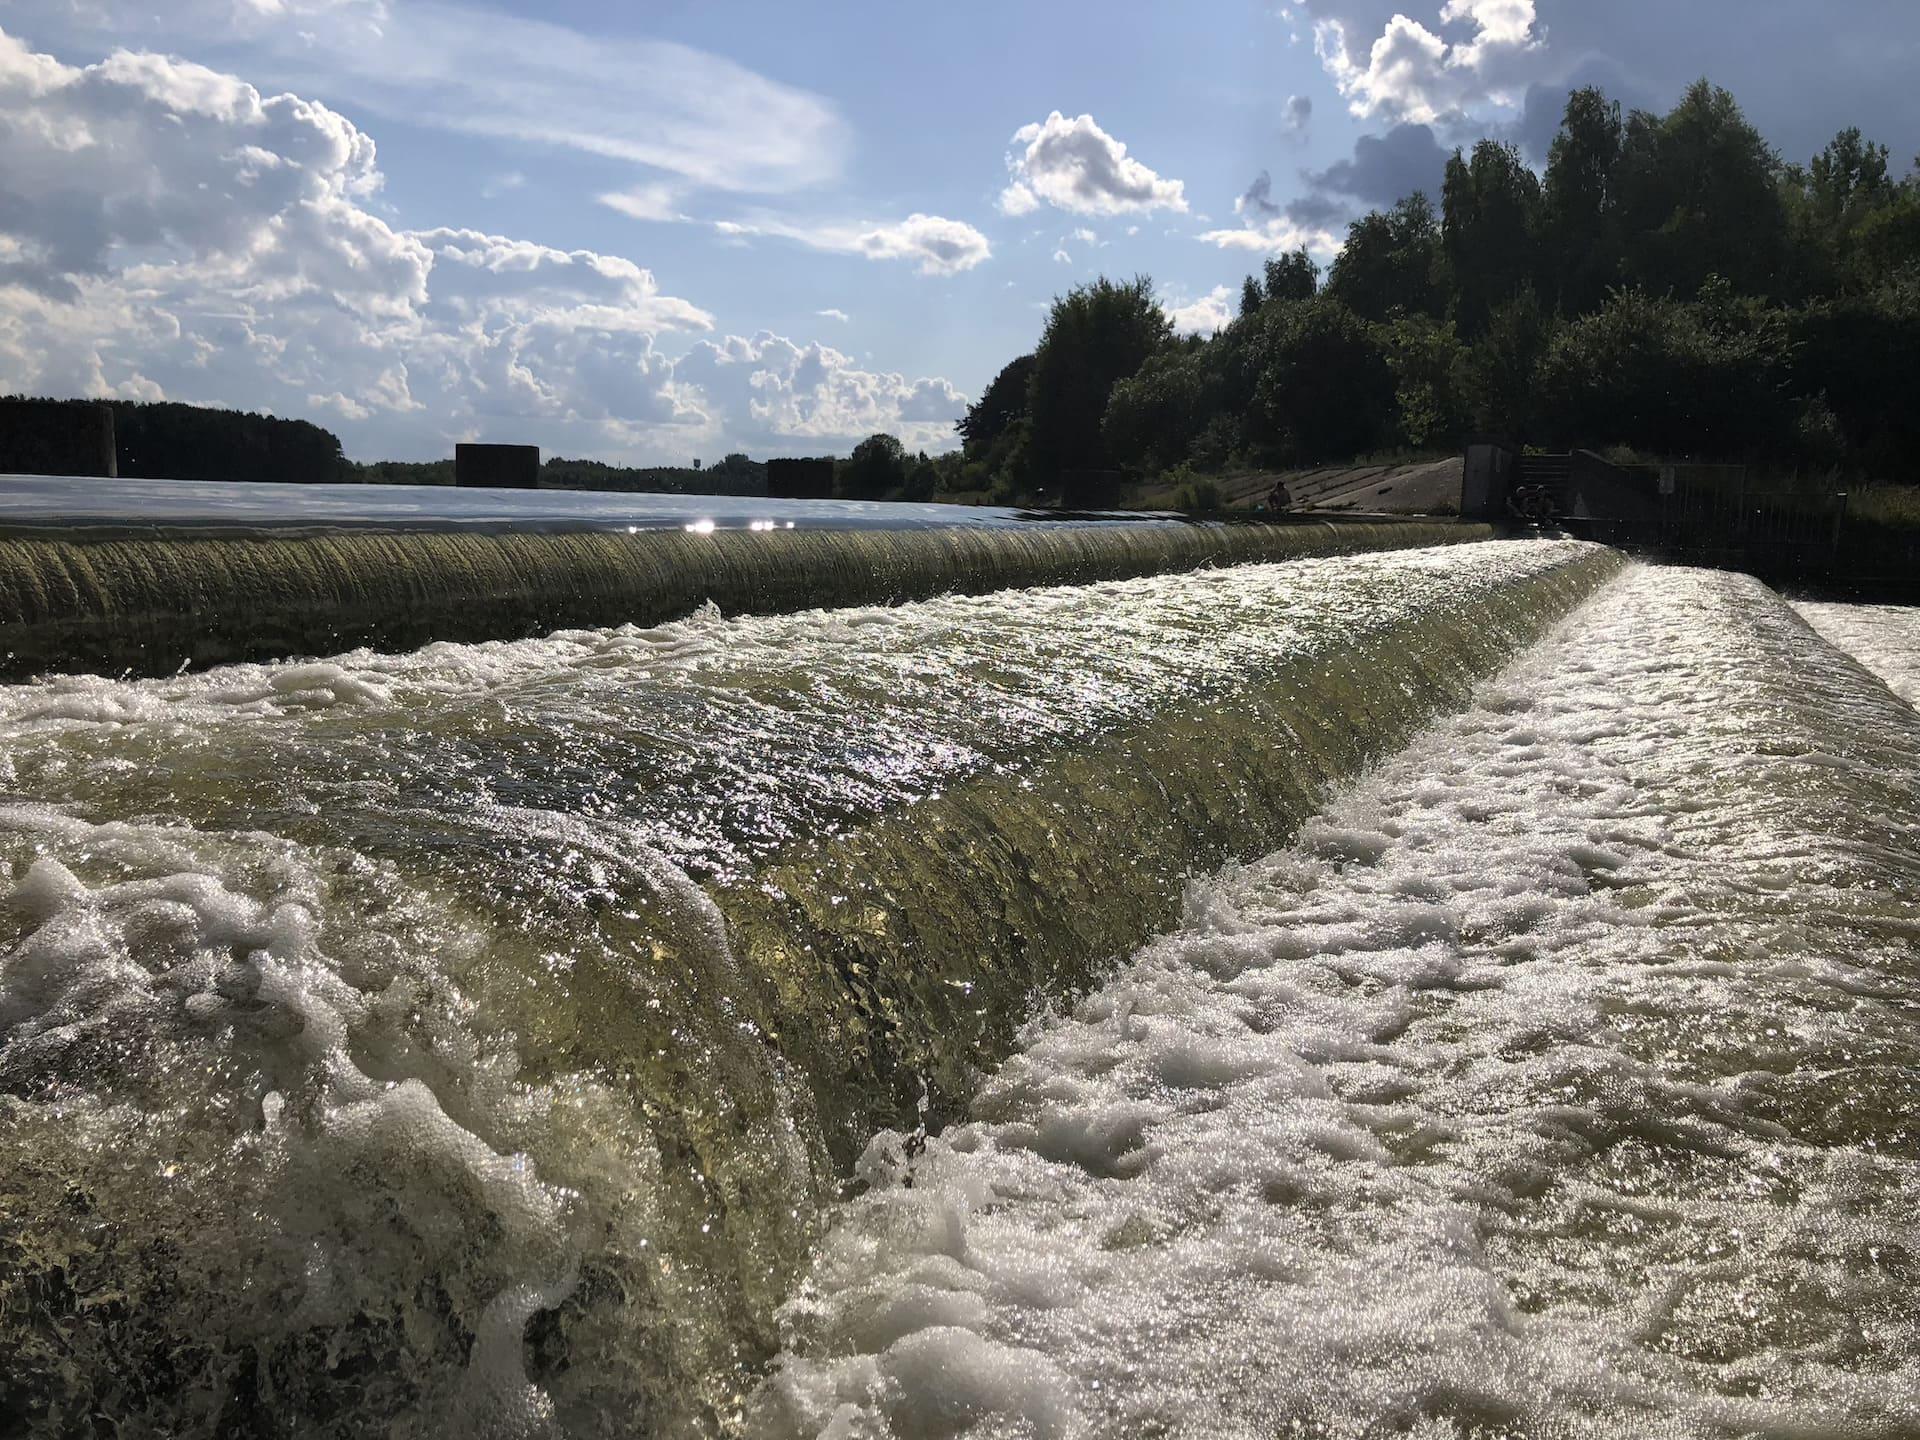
(1884, 638)
(473, 1037)
(728, 1026)
(1561, 1079)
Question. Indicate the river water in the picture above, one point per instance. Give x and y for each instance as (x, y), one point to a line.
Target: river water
(497, 1036)
(1562, 1079)
(1884, 638)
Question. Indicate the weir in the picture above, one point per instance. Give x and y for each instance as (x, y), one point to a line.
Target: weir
(150, 577)
(478, 1036)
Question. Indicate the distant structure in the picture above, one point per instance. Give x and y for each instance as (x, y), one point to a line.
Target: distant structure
(497, 467)
(56, 437)
(800, 479)
(1487, 477)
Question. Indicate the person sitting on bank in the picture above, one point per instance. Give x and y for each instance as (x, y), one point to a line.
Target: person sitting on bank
(1278, 500)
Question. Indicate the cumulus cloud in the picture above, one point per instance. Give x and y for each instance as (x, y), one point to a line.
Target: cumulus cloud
(1212, 311)
(1076, 166)
(1257, 202)
(167, 230)
(936, 245)
(1413, 73)
(1299, 112)
(1383, 168)
(1274, 236)
(834, 314)
(779, 392)
(1265, 224)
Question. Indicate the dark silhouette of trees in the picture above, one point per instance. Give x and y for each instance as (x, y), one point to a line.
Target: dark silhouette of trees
(1292, 276)
(1579, 211)
(1391, 263)
(877, 468)
(1666, 283)
(1490, 211)
(1096, 336)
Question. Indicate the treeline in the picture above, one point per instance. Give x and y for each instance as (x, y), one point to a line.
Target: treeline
(734, 475)
(1668, 285)
(164, 440)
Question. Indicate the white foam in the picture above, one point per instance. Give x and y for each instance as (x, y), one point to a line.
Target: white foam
(1514, 1099)
(1884, 638)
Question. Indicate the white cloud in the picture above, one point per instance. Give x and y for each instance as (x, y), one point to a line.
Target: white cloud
(1411, 73)
(1275, 236)
(170, 232)
(937, 245)
(833, 314)
(659, 201)
(1017, 199)
(1212, 311)
(782, 395)
(482, 71)
(941, 246)
(1077, 166)
(1299, 112)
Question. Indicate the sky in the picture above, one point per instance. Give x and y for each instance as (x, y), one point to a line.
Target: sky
(650, 232)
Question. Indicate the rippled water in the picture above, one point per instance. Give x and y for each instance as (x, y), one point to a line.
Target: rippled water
(1884, 638)
(473, 1038)
(1562, 1079)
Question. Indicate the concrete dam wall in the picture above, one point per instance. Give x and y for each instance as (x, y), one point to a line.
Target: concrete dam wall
(152, 577)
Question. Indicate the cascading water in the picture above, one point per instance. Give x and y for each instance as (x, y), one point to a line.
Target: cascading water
(1561, 1080)
(477, 1036)
(1884, 638)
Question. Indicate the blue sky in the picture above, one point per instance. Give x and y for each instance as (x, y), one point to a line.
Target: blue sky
(657, 231)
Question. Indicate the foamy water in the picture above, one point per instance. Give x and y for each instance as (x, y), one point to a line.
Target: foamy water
(1563, 1080)
(1884, 638)
(462, 1041)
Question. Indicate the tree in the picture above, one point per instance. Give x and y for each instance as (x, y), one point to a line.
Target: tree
(1292, 276)
(1391, 263)
(1498, 376)
(1579, 224)
(1425, 356)
(1490, 216)
(1096, 335)
(1155, 415)
(1002, 405)
(1668, 376)
(1324, 389)
(1251, 297)
(1699, 194)
(1850, 224)
(877, 467)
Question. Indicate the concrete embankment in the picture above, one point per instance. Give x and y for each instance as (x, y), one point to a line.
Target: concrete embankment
(94, 589)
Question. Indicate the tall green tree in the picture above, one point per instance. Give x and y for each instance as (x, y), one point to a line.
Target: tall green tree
(1699, 194)
(1292, 276)
(1002, 405)
(1096, 335)
(1489, 222)
(1579, 222)
(877, 467)
(1323, 389)
(1391, 263)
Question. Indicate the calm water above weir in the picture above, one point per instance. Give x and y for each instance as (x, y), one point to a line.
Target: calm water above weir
(42, 500)
(484, 1036)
